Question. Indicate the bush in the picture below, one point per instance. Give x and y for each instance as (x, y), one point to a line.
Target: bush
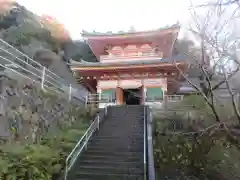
(41, 161)
(207, 156)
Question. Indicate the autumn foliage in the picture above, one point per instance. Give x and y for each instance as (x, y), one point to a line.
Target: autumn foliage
(6, 6)
(57, 29)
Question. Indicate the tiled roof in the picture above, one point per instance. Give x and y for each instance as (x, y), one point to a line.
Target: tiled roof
(85, 33)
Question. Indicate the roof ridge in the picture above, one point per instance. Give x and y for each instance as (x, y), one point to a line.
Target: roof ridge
(85, 33)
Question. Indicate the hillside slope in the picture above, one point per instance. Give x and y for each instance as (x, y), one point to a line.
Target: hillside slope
(26, 32)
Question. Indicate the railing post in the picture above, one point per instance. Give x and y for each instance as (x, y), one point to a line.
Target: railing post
(105, 110)
(86, 139)
(86, 101)
(98, 122)
(66, 171)
(70, 93)
(43, 77)
(27, 61)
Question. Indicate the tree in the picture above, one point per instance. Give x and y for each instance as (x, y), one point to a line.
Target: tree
(215, 27)
(6, 6)
(58, 31)
(218, 42)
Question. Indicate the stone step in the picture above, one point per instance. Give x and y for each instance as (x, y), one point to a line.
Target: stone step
(110, 157)
(107, 176)
(108, 152)
(117, 169)
(107, 162)
(118, 144)
(115, 152)
(104, 137)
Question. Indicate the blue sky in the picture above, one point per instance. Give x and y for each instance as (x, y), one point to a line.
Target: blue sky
(111, 15)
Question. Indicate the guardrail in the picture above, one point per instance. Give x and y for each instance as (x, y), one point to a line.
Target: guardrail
(150, 155)
(19, 65)
(168, 98)
(103, 98)
(99, 98)
(82, 143)
(175, 97)
(144, 143)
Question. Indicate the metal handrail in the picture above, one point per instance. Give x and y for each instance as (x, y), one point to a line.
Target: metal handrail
(155, 98)
(28, 68)
(81, 144)
(172, 98)
(24, 55)
(144, 144)
(100, 98)
(151, 168)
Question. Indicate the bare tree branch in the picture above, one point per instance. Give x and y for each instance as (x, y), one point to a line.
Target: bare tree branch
(228, 78)
(227, 3)
(232, 97)
(201, 92)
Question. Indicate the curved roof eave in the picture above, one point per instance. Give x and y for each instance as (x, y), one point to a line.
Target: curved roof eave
(165, 29)
(178, 58)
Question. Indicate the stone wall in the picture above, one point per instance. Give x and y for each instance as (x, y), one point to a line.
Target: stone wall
(27, 112)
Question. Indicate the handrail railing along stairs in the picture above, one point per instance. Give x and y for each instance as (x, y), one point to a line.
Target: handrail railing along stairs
(82, 143)
(144, 143)
(149, 140)
(149, 169)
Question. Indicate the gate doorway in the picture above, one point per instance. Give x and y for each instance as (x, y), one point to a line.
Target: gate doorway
(132, 96)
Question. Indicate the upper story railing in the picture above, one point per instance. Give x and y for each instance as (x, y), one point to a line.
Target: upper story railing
(135, 56)
(19, 66)
(83, 142)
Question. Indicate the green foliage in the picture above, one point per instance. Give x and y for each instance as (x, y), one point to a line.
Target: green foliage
(197, 104)
(21, 27)
(178, 147)
(194, 100)
(41, 161)
(25, 33)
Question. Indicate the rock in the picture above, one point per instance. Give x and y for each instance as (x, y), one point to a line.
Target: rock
(14, 101)
(2, 107)
(4, 128)
(26, 113)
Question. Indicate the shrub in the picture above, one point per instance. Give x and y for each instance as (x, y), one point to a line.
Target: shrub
(41, 161)
(180, 151)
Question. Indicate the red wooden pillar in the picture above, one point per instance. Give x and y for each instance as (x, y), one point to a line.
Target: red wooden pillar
(119, 96)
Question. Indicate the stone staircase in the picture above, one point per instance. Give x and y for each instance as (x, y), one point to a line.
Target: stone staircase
(116, 151)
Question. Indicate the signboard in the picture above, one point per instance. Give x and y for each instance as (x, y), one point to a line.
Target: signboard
(103, 84)
(128, 84)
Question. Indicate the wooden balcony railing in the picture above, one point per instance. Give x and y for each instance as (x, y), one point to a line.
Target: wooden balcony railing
(130, 56)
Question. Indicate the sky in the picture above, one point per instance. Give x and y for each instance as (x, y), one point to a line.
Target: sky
(111, 15)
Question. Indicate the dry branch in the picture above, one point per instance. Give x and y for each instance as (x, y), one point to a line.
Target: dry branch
(232, 97)
(227, 3)
(201, 92)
